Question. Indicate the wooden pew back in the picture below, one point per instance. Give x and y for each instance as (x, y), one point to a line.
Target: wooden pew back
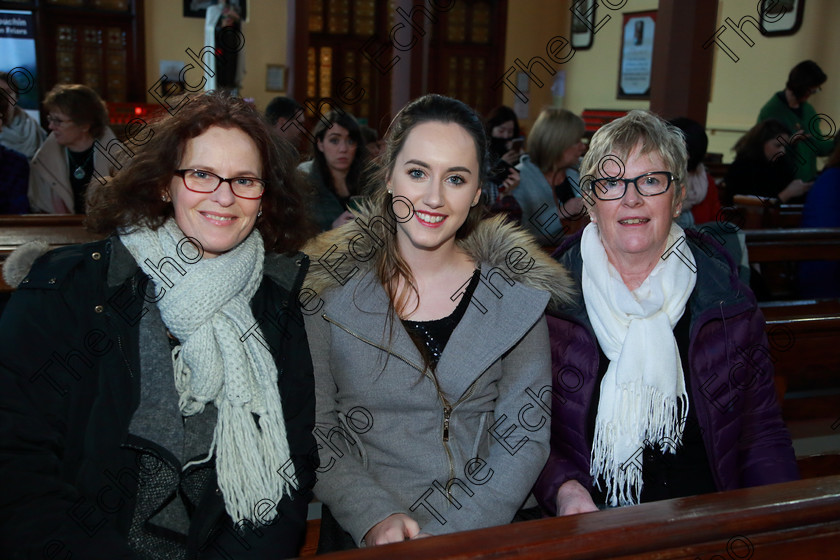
(801, 244)
(761, 212)
(778, 251)
(57, 230)
(803, 338)
(782, 521)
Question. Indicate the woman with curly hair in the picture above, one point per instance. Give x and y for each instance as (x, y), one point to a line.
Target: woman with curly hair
(156, 386)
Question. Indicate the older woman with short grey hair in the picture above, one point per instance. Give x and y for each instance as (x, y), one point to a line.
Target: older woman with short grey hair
(663, 383)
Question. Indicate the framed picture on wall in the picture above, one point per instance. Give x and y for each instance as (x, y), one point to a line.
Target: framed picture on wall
(276, 77)
(636, 55)
(583, 23)
(781, 17)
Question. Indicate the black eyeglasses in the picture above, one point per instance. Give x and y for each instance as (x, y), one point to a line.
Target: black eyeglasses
(649, 184)
(200, 181)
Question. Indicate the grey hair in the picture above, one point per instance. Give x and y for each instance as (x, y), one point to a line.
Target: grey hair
(618, 139)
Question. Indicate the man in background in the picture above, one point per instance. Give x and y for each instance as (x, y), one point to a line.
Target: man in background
(286, 116)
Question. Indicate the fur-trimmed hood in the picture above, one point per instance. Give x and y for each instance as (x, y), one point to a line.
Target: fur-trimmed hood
(20, 261)
(495, 243)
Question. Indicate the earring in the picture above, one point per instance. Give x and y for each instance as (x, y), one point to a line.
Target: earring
(259, 213)
(390, 191)
(164, 198)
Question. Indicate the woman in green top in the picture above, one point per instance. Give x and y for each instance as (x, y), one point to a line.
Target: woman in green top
(792, 109)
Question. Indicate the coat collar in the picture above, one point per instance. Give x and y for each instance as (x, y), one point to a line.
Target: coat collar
(718, 286)
(518, 281)
(500, 247)
(501, 312)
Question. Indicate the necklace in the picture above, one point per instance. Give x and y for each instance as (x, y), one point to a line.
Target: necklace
(79, 172)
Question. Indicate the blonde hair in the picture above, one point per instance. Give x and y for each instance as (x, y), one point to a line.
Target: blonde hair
(552, 134)
(618, 139)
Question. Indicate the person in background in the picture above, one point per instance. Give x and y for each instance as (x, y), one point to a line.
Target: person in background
(506, 144)
(21, 132)
(554, 147)
(762, 166)
(790, 107)
(373, 144)
(502, 127)
(416, 355)
(701, 202)
(821, 279)
(659, 328)
(186, 409)
(335, 171)
(74, 152)
(285, 116)
(14, 170)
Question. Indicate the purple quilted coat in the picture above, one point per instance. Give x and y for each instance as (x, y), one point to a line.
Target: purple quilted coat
(731, 371)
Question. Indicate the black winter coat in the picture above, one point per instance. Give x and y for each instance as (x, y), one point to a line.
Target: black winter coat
(69, 385)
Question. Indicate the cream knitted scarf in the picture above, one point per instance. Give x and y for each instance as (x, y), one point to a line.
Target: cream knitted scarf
(206, 305)
(643, 394)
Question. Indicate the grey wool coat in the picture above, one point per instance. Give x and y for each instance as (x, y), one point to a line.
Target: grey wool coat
(456, 450)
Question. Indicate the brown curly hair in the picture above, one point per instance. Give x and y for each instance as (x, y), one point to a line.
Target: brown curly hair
(133, 197)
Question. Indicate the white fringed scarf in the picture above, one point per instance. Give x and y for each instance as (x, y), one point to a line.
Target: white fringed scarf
(208, 310)
(643, 391)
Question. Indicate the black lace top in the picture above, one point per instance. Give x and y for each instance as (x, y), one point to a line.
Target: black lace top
(431, 336)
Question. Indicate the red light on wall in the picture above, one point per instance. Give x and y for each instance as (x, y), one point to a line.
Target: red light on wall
(138, 110)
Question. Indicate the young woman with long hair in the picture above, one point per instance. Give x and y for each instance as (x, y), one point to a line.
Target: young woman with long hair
(428, 336)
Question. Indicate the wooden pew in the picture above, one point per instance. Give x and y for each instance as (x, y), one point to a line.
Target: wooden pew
(801, 244)
(782, 521)
(804, 340)
(759, 212)
(790, 215)
(56, 229)
(778, 251)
